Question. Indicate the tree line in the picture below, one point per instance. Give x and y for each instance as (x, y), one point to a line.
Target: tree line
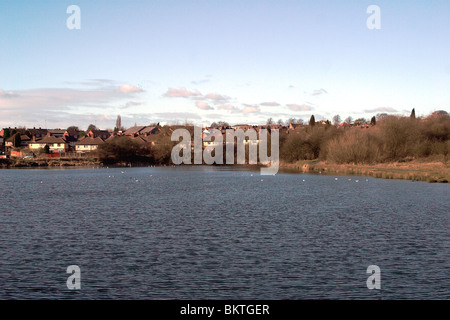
(393, 138)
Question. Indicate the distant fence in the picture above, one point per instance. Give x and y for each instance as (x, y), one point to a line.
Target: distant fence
(53, 155)
(18, 154)
(67, 155)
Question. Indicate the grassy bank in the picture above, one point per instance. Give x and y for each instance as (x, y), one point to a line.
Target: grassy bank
(413, 170)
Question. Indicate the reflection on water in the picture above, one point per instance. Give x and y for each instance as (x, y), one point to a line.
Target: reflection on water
(220, 233)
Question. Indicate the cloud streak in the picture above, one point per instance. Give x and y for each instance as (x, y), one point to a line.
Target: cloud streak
(18, 106)
(228, 107)
(299, 107)
(250, 109)
(381, 109)
(203, 105)
(181, 93)
(270, 104)
(319, 92)
(188, 94)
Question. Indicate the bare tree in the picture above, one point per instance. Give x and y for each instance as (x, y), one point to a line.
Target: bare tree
(336, 120)
(349, 120)
(118, 124)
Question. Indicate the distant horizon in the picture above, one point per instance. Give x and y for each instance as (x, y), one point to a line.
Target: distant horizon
(204, 61)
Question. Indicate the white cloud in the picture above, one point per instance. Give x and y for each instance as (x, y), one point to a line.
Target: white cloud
(381, 109)
(216, 97)
(203, 105)
(270, 104)
(250, 109)
(128, 88)
(300, 107)
(131, 104)
(23, 107)
(319, 92)
(185, 93)
(181, 93)
(196, 82)
(228, 107)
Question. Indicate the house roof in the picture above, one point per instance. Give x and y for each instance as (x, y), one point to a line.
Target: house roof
(50, 140)
(89, 141)
(56, 131)
(70, 138)
(34, 131)
(23, 137)
(147, 130)
(72, 132)
(133, 130)
(112, 137)
(97, 133)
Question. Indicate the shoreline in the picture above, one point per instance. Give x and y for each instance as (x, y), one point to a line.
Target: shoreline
(415, 170)
(45, 163)
(431, 171)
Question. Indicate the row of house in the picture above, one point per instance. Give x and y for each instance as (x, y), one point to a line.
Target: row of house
(57, 140)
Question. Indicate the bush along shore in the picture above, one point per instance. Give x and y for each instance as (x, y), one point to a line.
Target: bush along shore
(393, 148)
(50, 162)
(414, 170)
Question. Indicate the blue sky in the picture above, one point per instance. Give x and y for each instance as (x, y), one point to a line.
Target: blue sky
(203, 61)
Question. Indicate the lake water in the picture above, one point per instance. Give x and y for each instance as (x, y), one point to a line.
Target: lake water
(220, 233)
